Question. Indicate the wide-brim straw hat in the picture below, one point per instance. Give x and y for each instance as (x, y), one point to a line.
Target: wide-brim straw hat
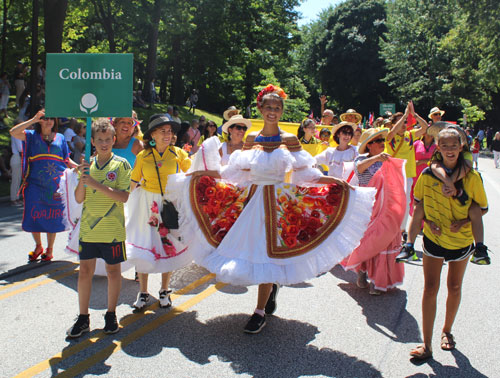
(231, 109)
(435, 110)
(159, 120)
(359, 117)
(236, 119)
(336, 127)
(434, 129)
(368, 136)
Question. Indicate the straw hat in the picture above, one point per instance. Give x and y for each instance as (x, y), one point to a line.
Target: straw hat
(159, 120)
(231, 109)
(336, 127)
(359, 117)
(236, 119)
(435, 110)
(368, 136)
(434, 129)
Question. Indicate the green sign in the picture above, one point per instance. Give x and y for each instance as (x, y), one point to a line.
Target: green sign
(89, 85)
(387, 108)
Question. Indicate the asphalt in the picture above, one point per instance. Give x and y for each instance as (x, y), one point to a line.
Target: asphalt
(326, 327)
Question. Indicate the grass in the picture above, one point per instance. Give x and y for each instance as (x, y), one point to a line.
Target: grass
(144, 114)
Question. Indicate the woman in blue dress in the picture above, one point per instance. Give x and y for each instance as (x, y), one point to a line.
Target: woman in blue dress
(45, 157)
(126, 145)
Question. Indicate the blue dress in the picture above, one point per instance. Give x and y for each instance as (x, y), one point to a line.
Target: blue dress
(43, 165)
(126, 152)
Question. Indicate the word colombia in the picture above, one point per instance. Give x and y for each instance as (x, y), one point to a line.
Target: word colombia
(104, 74)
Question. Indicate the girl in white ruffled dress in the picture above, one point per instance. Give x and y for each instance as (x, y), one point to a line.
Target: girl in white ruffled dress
(250, 223)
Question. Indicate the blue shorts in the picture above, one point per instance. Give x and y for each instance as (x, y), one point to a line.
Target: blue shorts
(111, 253)
(433, 250)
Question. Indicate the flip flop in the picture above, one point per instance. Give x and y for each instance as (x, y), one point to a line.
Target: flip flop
(421, 353)
(447, 341)
(33, 255)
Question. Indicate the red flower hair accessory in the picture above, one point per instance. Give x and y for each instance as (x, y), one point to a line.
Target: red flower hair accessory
(271, 89)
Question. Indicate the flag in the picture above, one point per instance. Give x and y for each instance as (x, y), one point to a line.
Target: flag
(370, 118)
(410, 122)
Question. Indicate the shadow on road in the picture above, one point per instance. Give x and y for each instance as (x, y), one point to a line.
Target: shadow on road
(463, 369)
(398, 324)
(281, 350)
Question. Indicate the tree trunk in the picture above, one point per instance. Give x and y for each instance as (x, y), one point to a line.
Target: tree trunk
(177, 93)
(152, 50)
(105, 17)
(54, 16)
(34, 58)
(4, 33)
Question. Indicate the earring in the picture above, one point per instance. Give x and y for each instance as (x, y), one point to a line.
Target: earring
(152, 143)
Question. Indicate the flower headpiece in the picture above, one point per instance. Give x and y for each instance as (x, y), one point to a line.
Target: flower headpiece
(271, 89)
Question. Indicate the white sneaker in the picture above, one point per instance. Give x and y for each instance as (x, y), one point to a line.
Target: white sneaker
(142, 301)
(165, 300)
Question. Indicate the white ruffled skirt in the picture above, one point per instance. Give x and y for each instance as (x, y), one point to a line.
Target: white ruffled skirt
(145, 247)
(242, 256)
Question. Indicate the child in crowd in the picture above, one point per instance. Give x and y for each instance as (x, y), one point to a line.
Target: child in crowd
(476, 147)
(447, 237)
(325, 135)
(103, 188)
(452, 187)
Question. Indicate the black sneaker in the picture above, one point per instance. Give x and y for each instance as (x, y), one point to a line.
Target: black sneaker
(480, 256)
(271, 302)
(407, 252)
(81, 326)
(255, 324)
(404, 237)
(111, 324)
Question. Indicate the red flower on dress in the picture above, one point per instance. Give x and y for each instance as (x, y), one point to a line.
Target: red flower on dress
(153, 221)
(154, 207)
(163, 230)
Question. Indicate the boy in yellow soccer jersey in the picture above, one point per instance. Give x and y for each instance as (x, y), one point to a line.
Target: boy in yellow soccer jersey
(447, 237)
(103, 188)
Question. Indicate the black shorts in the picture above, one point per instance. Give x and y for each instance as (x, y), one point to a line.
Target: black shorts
(433, 250)
(111, 253)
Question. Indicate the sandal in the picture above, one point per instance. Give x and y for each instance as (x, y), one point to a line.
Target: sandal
(421, 353)
(447, 341)
(33, 255)
(47, 256)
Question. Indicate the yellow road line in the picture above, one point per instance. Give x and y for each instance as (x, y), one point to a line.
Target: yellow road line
(130, 338)
(70, 351)
(9, 286)
(35, 285)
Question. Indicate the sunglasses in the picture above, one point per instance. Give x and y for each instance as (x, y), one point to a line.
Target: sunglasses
(239, 127)
(378, 140)
(47, 119)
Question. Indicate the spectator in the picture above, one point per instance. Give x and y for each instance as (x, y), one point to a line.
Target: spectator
(194, 135)
(480, 135)
(24, 103)
(495, 145)
(489, 137)
(16, 168)
(203, 124)
(175, 116)
(19, 73)
(69, 134)
(327, 117)
(170, 112)
(4, 93)
(193, 100)
(79, 142)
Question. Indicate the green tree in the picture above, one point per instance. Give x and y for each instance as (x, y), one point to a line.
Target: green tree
(347, 56)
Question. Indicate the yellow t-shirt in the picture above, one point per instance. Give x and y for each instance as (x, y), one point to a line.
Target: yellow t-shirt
(444, 210)
(103, 219)
(406, 151)
(173, 160)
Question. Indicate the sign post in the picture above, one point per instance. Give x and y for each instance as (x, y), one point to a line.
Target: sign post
(89, 85)
(387, 108)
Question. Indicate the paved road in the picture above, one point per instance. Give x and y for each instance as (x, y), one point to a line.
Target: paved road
(326, 327)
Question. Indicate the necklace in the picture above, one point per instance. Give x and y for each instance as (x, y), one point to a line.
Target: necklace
(46, 137)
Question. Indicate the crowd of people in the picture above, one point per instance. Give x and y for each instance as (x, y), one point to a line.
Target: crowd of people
(266, 208)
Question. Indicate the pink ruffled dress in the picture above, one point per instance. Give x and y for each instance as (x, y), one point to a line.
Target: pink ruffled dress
(381, 243)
